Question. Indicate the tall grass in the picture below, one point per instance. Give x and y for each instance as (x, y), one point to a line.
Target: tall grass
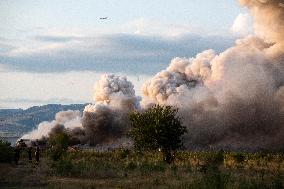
(127, 169)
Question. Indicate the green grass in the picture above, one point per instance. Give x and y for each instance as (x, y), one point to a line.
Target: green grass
(126, 169)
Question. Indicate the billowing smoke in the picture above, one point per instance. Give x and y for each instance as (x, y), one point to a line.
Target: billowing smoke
(107, 119)
(232, 100)
(104, 121)
(67, 121)
(268, 22)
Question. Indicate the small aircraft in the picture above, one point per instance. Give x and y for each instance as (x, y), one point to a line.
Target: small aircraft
(103, 18)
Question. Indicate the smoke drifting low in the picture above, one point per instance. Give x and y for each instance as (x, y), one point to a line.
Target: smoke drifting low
(69, 120)
(232, 100)
(104, 121)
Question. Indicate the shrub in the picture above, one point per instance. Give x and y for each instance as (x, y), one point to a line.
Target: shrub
(58, 145)
(6, 152)
(239, 157)
(213, 179)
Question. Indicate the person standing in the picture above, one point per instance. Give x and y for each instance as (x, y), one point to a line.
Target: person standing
(30, 154)
(17, 155)
(37, 154)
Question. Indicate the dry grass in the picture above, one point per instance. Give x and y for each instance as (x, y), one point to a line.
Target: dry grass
(124, 169)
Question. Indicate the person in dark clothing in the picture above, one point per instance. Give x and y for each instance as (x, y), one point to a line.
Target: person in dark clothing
(30, 154)
(17, 155)
(37, 154)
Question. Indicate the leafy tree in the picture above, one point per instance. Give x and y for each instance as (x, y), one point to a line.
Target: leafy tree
(59, 143)
(6, 152)
(159, 127)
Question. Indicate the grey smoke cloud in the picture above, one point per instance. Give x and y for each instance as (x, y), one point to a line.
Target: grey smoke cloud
(232, 99)
(107, 119)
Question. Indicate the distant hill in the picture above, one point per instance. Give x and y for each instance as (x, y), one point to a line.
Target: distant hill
(18, 121)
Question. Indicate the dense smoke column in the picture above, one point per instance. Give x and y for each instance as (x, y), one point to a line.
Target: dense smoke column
(268, 21)
(231, 100)
(98, 124)
(269, 25)
(107, 119)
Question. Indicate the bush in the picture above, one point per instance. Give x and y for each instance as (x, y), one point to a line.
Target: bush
(63, 167)
(58, 145)
(239, 157)
(213, 179)
(6, 152)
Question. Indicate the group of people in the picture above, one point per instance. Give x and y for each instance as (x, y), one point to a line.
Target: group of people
(22, 146)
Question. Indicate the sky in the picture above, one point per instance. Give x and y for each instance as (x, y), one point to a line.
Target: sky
(54, 51)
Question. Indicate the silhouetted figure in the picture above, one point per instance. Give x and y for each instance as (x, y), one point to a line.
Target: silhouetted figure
(17, 155)
(30, 154)
(37, 154)
(168, 156)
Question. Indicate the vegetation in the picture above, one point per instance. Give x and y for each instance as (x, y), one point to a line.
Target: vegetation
(58, 145)
(6, 152)
(127, 169)
(158, 127)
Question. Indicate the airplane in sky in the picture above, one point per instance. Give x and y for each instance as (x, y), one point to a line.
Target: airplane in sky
(103, 18)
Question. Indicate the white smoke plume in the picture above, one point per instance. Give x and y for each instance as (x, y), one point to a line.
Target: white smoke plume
(107, 119)
(241, 25)
(115, 91)
(69, 120)
(268, 22)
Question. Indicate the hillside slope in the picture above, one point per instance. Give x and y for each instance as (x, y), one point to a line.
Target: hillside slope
(19, 121)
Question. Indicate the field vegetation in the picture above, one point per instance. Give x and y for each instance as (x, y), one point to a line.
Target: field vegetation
(124, 168)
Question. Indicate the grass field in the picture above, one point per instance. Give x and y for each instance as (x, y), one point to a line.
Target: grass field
(126, 169)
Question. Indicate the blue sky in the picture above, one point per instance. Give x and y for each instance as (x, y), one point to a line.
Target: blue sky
(65, 40)
(208, 15)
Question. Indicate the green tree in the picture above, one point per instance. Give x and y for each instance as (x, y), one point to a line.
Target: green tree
(158, 127)
(6, 152)
(59, 143)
